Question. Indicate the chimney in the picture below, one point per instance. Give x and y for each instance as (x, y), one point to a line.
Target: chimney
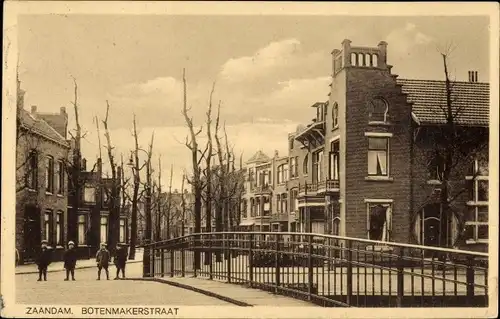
(382, 59)
(63, 111)
(473, 76)
(276, 154)
(33, 109)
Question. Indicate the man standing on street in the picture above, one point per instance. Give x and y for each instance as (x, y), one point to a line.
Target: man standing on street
(120, 261)
(102, 259)
(70, 260)
(43, 261)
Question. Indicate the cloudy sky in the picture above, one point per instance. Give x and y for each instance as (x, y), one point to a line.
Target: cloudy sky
(268, 70)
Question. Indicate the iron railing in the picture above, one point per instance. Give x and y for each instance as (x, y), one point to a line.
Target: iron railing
(330, 270)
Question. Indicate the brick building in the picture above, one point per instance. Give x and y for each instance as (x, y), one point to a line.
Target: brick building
(41, 184)
(91, 225)
(364, 167)
(368, 164)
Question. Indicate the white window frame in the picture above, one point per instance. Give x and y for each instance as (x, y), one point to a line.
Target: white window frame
(59, 228)
(103, 235)
(335, 116)
(387, 137)
(81, 235)
(387, 230)
(386, 113)
(123, 235)
(475, 204)
(85, 198)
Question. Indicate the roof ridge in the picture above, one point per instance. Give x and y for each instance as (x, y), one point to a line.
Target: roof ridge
(442, 81)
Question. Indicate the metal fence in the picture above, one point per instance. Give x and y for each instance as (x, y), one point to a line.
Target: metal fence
(329, 270)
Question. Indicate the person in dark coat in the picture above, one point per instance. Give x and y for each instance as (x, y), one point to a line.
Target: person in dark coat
(120, 260)
(43, 261)
(70, 261)
(102, 259)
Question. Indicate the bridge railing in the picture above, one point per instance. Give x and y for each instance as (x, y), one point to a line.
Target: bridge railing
(329, 270)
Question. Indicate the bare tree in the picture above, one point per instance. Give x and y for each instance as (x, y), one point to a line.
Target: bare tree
(453, 146)
(169, 203)
(196, 158)
(136, 169)
(114, 192)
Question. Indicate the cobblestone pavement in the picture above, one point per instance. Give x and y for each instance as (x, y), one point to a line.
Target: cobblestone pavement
(86, 290)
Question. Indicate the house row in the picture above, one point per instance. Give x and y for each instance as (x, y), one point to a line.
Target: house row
(371, 162)
(44, 192)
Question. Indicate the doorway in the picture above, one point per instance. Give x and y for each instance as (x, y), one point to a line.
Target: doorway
(32, 232)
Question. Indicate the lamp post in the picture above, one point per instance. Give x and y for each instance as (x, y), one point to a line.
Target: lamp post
(146, 260)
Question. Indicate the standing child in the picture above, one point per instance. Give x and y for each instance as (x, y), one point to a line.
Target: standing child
(70, 261)
(120, 261)
(102, 259)
(43, 261)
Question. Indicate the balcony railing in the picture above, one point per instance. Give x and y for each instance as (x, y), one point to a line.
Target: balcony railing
(327, 270)
(329, 186)
(307, 188)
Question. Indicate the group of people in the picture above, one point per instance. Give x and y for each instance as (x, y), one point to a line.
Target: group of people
(103, 258)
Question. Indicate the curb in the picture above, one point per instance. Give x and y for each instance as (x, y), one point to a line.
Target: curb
(198, 290)
(59, 270)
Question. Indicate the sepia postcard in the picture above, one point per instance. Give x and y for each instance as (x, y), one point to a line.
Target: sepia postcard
(178, 159)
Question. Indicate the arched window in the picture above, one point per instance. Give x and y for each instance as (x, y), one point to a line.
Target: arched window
(368, 59)
(375, 60)
(305, 165)
(378, 110)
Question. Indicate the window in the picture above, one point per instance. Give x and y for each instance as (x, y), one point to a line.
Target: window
(32, 170)
(267, 206)
(49, 174)
(282, 174)
(305, 165)
(378, 111)
(293, 200)
(104, 229)
(293, 167)
(82, 228)
(59, 229)
(335, 115)
(320, 112)
(477, 182)
(105, 197)
(89, 194)
(251, 177)
(378, 149)
(334, 161)
(252, 207)
(379, 221)
(47, 226)
(122, 230)
(278, 203)
(291, 143)
(60, 177)
(284, 206)
(436, 167)
(317, 167)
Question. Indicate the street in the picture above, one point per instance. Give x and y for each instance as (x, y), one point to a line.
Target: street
(86, 290)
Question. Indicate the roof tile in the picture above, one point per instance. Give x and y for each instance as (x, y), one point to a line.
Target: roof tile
(470, 101)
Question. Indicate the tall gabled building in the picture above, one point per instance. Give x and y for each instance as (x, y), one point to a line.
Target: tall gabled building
(41, 182)
(367, 165)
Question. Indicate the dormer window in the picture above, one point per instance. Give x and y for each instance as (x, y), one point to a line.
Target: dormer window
(378, 111)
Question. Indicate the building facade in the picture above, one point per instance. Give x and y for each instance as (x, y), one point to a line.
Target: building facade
(92, 220)
(370, 162)
(41, 184)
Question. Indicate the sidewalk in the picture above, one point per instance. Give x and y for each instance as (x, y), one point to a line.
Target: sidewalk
(236, 294)
(80, 264)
